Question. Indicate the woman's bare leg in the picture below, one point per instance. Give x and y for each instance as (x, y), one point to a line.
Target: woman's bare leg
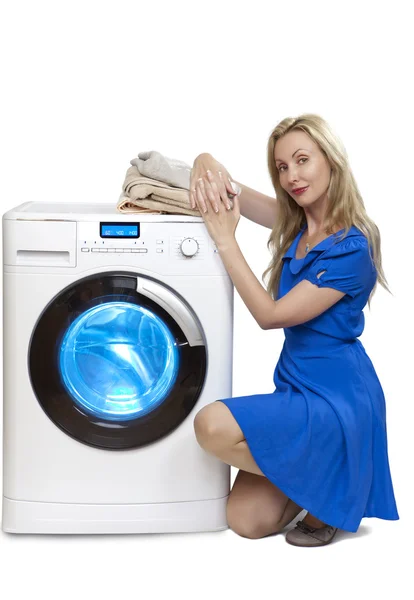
(218, 433)
(256, 507)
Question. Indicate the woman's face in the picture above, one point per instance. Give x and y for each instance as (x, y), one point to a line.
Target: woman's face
(301, 163)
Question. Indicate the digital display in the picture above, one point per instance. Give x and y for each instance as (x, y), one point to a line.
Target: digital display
(119, 230)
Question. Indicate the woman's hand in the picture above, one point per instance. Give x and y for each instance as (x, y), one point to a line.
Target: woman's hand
(210, 184)
(221, 225)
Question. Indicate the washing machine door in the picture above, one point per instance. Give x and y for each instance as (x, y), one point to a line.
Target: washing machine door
(117, 360)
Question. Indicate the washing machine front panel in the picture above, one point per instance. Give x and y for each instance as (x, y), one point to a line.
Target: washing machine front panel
(111, 367)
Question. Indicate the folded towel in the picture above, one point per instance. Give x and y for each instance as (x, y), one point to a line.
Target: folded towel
(158, 184)
(169, 170)
(140, 191)
(148, 205)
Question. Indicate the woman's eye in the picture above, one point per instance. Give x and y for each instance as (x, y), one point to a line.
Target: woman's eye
(303, 158)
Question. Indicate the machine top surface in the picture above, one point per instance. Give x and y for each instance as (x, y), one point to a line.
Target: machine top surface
(86, 211)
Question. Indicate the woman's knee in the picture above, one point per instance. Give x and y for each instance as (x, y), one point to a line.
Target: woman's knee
(208, 426)
(256, 507)
(247, 522)
(204, 424)
(215, 425)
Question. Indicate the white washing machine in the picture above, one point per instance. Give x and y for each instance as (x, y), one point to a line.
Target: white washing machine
(118, 329)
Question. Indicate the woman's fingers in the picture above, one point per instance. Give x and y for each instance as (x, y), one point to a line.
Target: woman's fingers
(219, 189)
(200, 197)
(207, 194)
(193, 203)
(213, 190)
(227, 182)
(194, 196)
(211, 193)
(202, 193)
(193, 185)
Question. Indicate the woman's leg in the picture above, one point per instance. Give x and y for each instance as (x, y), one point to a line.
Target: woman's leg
(219, 434)
(256, 507)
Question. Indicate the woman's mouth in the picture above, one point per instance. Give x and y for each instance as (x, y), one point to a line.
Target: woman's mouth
(300, 191)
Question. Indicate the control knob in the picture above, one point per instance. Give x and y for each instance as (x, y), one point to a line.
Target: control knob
(189, 247)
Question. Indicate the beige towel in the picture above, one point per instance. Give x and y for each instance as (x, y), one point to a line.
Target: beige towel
(155, 165)
(143, 194)
(148, 205)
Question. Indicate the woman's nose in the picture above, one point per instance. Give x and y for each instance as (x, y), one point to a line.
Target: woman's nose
(292, 178)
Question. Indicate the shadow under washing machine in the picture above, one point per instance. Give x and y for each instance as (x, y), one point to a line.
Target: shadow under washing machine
(118, 329)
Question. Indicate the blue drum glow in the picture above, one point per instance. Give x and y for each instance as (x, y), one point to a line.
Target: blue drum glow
(118, 361)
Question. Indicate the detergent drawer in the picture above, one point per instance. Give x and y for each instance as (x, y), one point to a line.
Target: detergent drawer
(39, 243)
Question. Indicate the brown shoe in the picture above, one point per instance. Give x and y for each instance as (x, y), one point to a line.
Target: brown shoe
(305, 535)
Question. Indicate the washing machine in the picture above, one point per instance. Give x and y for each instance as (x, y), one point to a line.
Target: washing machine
(118, 329)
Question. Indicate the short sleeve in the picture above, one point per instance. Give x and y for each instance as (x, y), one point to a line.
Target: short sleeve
(348, 267)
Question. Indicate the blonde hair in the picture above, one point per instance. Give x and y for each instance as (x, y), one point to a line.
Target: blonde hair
(345, 204)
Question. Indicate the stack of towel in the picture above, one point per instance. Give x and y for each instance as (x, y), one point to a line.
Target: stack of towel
(158, 184)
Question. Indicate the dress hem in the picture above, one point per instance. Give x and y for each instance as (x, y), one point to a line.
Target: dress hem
(304, 502)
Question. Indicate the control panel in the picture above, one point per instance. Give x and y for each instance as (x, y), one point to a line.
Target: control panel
(148, 239)
(163, 247)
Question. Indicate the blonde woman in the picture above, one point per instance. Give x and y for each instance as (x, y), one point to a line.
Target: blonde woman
(319, 441)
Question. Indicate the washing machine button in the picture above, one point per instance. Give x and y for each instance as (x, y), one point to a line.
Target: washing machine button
(160, 250)
(119, 249)
(111, 249)
(127, 249)
(142, 249)
(103, 249)
(96, 249)
(84, 249)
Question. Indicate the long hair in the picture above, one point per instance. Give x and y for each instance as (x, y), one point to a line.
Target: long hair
(345, 205)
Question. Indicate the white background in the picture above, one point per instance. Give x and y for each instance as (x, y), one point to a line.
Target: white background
(85, 87)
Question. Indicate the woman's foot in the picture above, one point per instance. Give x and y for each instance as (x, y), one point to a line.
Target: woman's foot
(313, 521)
(304, 535)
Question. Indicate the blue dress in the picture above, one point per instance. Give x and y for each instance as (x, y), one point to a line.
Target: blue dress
(321, 436)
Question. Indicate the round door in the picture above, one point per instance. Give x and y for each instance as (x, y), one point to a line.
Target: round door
(117, 361)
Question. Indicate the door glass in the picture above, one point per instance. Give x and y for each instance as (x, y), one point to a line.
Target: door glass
(118, 361)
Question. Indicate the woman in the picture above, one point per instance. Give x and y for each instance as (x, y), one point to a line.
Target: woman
(319, 441)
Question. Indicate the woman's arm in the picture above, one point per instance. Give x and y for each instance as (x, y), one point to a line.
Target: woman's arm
(252, 292)
(257, 207)
(305, 300)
